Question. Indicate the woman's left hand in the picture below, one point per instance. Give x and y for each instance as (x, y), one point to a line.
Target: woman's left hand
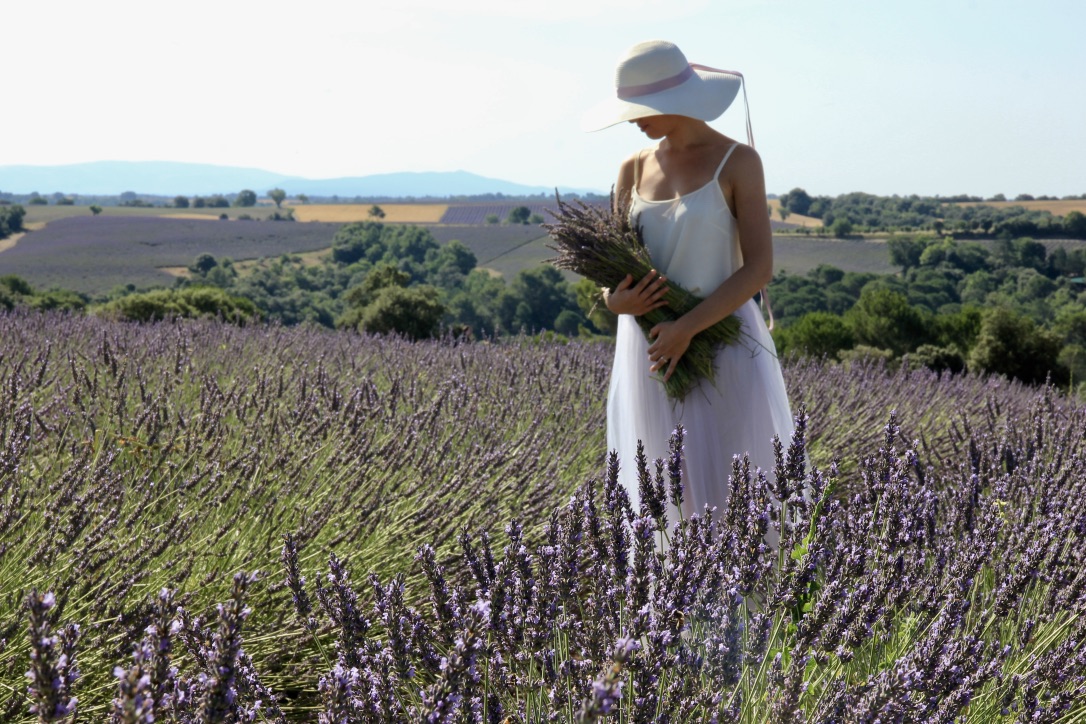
(670, 342)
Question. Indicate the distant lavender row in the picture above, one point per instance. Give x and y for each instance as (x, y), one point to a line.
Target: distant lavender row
(476, 214)
(490, 241)
(96, 253)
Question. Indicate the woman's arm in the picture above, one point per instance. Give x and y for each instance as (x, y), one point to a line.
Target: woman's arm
(630, 296)
(743, 183)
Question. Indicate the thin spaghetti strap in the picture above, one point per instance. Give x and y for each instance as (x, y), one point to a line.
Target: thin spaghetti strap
(723, 161)
(637, 170)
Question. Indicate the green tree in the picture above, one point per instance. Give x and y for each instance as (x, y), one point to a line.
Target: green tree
(181, 202)
(492, 218)
(1012, 345)
(818, 334)
(797, 201)
(245, 198)
(544, 292)
(303, 199)
(358, 241)
(569, 323)
(882, 318)
(382, 276)
(95, 209)
(414, 312)
(376, 212)
(905, 251)
(448, 265)
(277, 195)
(842, 228)
(1074, 224)
(519, 215)
(11, 220)
(203, 264)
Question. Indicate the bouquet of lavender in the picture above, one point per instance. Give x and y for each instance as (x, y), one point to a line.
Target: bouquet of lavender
(603, 246)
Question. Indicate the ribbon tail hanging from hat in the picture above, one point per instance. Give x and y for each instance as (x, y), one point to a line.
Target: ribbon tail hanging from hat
(743, 85)
(750, 142)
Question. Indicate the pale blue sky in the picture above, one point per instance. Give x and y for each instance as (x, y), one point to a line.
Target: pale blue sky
(928, 97)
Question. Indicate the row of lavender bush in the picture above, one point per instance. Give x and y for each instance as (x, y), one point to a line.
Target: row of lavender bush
(148, 472)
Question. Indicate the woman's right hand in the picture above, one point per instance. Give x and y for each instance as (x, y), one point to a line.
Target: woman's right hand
(640, 297)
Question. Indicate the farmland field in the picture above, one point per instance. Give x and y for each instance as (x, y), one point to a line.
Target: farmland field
(144, 466)
(797, 255)
(95, 254)
(394, 213)
(1061, 207)
(795, 219)
(475, 214)
(48, 213)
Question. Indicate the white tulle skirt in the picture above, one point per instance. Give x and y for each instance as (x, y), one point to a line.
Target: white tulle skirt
(738, 415)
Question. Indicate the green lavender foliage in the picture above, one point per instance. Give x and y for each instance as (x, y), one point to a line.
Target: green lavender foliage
(458, 549)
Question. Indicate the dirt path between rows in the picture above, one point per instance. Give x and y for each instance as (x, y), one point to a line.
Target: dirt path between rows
(12, 240)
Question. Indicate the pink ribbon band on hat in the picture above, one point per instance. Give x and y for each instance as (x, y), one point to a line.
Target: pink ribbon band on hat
(645, 89)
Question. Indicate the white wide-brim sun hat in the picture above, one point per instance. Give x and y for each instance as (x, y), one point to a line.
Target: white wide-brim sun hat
(654, 78)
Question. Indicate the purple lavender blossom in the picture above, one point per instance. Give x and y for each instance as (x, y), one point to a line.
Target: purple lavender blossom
(53, 669)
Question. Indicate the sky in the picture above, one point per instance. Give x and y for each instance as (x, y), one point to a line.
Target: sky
(930, 97)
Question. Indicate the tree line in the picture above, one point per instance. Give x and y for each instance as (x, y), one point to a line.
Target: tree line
(1011, 306)
(861, 212)
(378, 278)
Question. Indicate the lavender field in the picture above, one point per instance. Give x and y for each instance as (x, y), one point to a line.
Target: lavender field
(475, 214)
(94, 254)
(204, 523)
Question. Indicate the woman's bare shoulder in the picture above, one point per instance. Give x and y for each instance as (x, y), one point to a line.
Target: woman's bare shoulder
(744, 168)
(626, 175)
(745, 155)
(626, 170)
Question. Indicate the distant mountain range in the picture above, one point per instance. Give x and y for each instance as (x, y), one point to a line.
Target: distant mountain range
(171, 178)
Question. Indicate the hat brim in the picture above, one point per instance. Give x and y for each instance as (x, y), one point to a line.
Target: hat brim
(705, 96)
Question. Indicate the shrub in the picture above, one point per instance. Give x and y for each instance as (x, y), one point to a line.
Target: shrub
(190, 302)
(1012, 345)
(817, 334)
(939, 359)
(568, 322)
(413, 312)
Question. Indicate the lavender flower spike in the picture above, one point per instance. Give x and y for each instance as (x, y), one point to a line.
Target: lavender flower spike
(53, 670)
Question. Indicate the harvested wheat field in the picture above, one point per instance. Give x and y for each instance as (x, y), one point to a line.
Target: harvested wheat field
(394, 213)
(1061, 207)
(798, 220)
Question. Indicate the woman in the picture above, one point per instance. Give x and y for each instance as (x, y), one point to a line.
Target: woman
(699, 197)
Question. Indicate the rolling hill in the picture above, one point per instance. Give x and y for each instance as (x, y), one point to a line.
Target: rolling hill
(169, 178)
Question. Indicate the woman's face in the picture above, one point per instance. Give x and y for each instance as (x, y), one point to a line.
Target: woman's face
(656, 127)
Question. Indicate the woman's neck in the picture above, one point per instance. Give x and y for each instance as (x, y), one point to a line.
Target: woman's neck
(688, 135)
